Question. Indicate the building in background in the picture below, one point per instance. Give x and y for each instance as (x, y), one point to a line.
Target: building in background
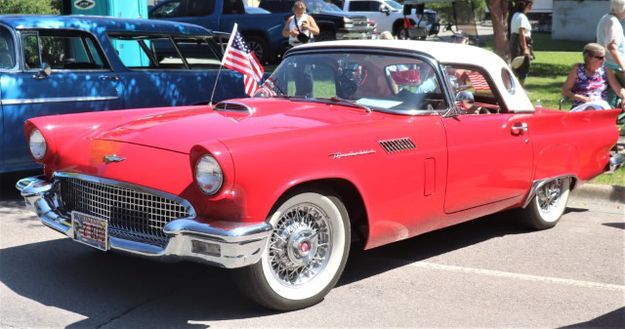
(577, 20)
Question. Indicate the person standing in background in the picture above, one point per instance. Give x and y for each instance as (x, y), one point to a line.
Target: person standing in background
(521, 39)
(301, 27)
(610, 36)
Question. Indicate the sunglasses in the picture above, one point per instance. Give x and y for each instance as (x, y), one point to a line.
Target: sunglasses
(598, 57)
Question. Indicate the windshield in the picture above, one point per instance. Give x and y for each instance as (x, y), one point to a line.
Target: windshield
(315, 6)
(330, 7)
(395, 5)
(381, 82)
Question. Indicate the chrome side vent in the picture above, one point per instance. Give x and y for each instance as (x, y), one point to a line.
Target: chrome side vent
(397, 145)
(233, 107)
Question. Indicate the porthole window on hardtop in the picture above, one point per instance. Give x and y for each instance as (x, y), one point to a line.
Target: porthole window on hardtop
(508, 82)
(7, 49)
(61, 50)
(142, 51)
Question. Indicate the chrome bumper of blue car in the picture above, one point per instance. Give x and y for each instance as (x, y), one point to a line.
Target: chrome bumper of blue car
(225, 244)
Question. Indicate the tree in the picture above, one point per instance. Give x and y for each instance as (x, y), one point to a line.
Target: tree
(30, 7)
(499, 16)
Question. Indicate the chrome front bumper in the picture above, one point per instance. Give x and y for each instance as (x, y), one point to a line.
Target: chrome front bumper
(225, 244)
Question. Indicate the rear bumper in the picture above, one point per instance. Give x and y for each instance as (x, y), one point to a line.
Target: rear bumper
(353, 34)
(224, 244)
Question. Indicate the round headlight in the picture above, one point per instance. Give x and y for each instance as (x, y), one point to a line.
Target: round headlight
(208, 175)
(37, 144)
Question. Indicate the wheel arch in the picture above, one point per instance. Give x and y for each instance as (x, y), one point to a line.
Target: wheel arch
(537, 184)
(346, 191)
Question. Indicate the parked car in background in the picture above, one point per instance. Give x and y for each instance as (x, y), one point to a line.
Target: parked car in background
(333, 25)
(262, 33)
(389, 16)
(380, 142)
(67, 64)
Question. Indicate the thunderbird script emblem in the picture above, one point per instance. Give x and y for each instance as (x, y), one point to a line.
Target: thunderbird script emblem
(112, 158)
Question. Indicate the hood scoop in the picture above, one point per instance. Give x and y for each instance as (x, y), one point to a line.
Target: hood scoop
(233, 107)
(397, 145)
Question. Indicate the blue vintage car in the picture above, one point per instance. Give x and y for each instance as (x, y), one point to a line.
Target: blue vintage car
(66, 64)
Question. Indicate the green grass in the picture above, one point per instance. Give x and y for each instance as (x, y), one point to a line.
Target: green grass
(617, 178)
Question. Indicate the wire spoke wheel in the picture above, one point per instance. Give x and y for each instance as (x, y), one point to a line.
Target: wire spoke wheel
(548, 205)
(548, 196)
(299, 248)
(304, 256)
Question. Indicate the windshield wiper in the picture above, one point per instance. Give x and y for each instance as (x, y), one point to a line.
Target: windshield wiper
(343, 101)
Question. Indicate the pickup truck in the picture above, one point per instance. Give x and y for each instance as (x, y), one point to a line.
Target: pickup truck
(67, 64)
(262, 32)
(389, 15)
(380, 142)
(333, 24)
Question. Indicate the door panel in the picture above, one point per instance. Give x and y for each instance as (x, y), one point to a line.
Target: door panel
(490, 160)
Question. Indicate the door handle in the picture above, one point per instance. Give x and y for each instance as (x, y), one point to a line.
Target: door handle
(109, 78)
(519, 128)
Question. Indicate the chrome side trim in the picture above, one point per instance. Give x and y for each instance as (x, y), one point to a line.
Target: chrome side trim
(220, 243)
(57, 100)
(537, 184)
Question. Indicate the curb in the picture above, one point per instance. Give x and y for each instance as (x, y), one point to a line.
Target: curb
(613, 193)
(609, 198)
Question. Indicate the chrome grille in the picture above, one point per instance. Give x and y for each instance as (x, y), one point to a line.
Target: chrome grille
(397, 145)
(132, 215)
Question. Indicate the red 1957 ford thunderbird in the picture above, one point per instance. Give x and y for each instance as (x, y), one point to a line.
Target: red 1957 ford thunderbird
(376, 141)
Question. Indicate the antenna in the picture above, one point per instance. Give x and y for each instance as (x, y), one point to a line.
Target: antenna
(234, 29)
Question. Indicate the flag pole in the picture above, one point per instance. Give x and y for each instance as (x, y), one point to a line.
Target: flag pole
(234, 29)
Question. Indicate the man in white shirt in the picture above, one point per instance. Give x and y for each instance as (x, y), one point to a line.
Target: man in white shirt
(521, 38)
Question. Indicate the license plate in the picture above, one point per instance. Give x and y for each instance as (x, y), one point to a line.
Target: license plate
(90, 230)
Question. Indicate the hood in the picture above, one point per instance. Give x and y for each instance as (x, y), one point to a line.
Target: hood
(180, 129)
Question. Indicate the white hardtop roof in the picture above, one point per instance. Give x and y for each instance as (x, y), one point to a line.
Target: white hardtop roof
(443, 52)
(446, 53)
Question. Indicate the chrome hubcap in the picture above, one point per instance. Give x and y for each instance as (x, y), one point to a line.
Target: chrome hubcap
(549, 195)
(299, 247)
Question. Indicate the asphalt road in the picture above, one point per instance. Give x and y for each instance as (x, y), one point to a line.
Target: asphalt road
(490, 272)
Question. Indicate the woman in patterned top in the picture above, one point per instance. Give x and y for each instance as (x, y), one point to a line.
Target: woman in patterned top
(589, 81)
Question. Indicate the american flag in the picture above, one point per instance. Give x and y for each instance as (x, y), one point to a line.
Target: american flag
(478, 81)
(240, 58)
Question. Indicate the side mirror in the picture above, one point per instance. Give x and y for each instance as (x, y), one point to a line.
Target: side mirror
(43, 72)
(465, 100)
(385, 9)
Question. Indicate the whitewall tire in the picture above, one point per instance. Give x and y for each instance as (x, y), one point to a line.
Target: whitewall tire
(547, 206)
(304, 256)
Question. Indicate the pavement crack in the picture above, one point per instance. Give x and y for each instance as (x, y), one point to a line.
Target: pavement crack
(131, 309)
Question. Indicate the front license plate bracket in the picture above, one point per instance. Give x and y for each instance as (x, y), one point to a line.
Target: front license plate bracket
(90, 230)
